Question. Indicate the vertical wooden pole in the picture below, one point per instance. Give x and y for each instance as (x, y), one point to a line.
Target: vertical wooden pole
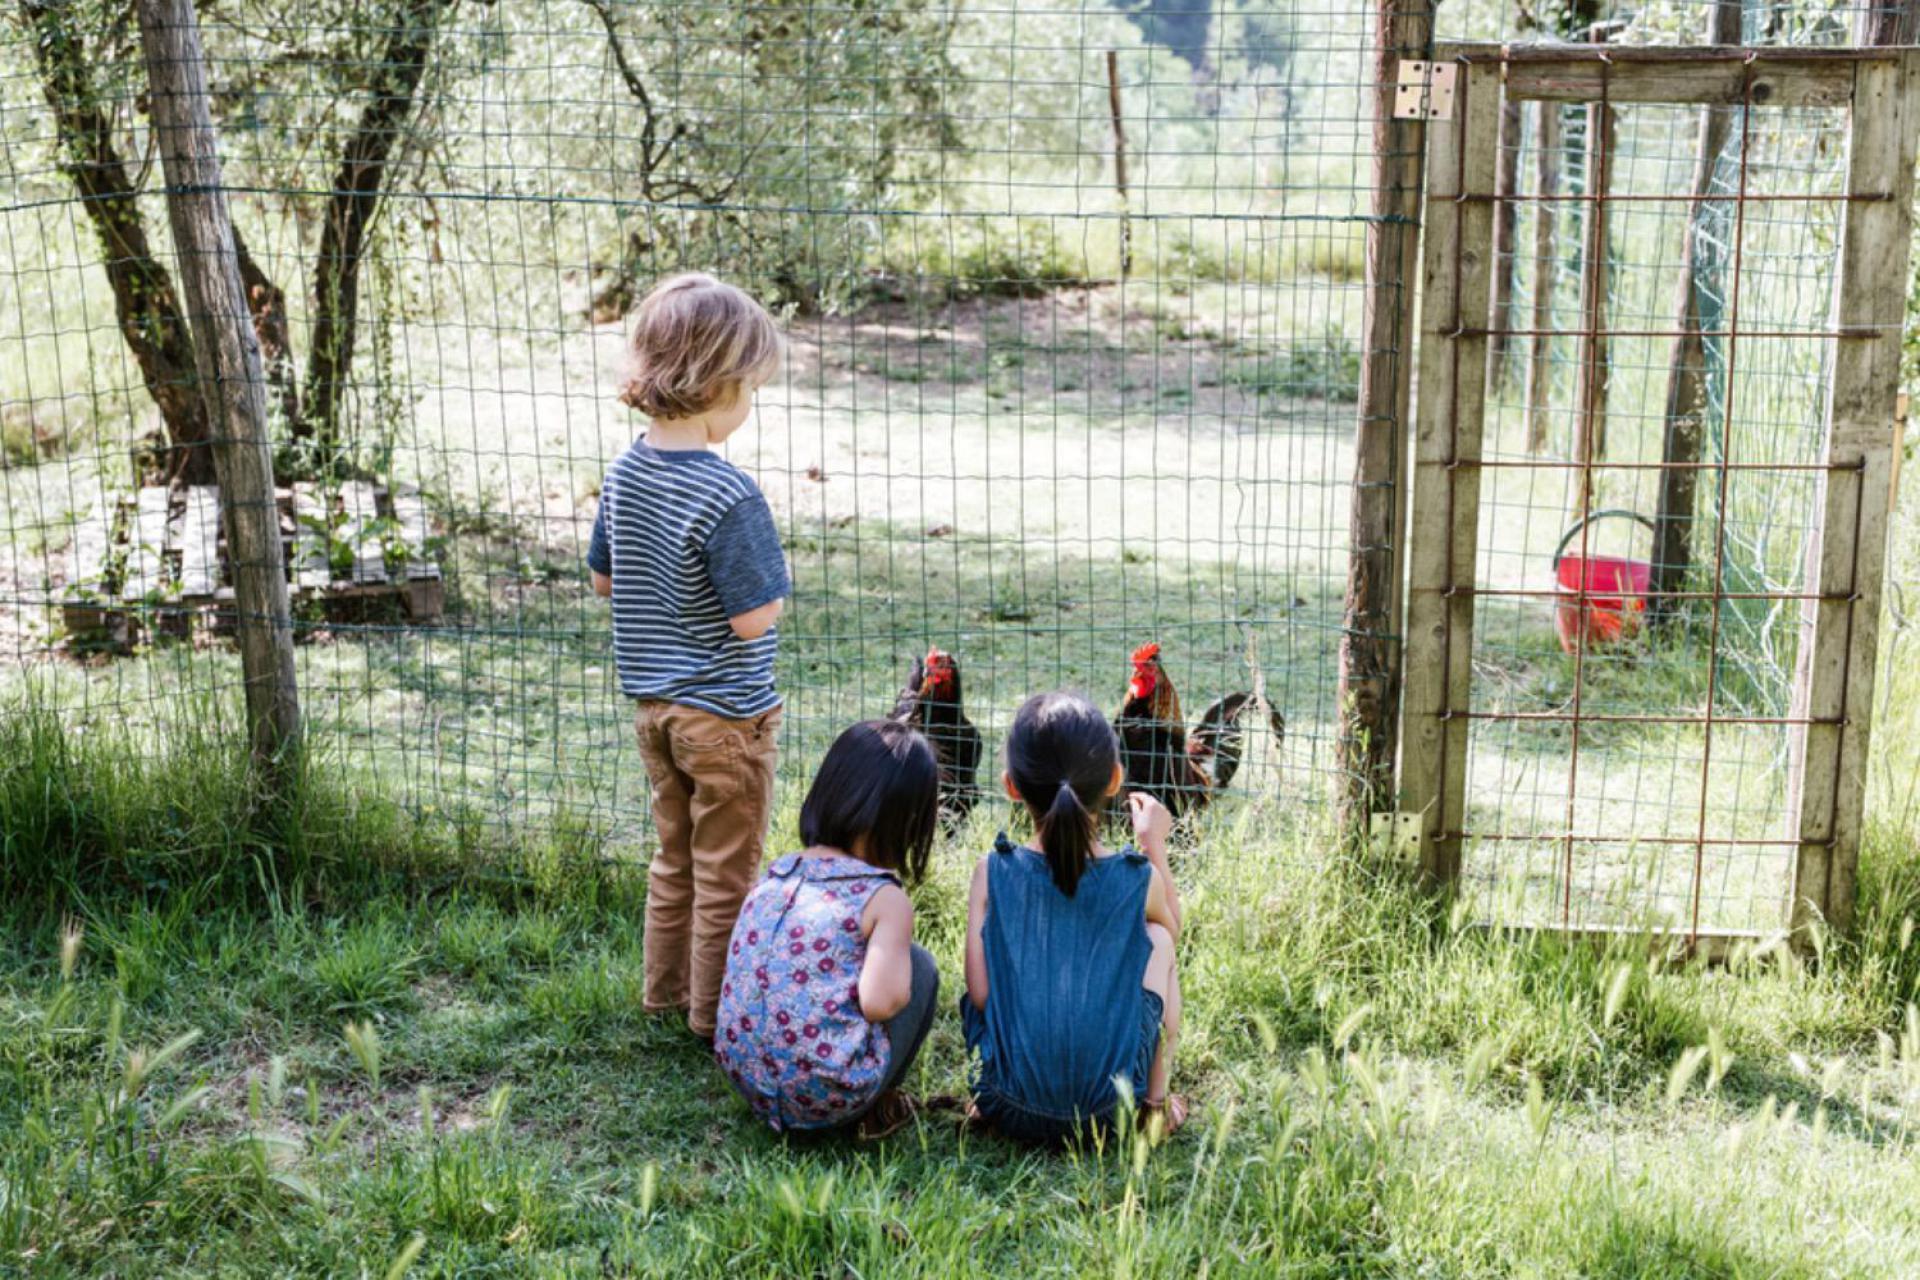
(1442, 554)
(1590, 406)
(1506, 217)
(1883, 24)
(1120, 162)
(1369, 690)
(1840, 625)
(227, 360)
(1546, 183)
(1687, 387)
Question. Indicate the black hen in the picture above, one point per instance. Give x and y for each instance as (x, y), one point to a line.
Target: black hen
(930, 702)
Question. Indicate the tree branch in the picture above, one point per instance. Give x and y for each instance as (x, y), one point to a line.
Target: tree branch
(145, 303)
(351, 209)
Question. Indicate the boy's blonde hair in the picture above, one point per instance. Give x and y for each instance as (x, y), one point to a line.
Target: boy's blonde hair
(696, 342)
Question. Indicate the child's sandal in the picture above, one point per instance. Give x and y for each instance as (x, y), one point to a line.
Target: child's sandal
(891, 1112)
(1162, 1119)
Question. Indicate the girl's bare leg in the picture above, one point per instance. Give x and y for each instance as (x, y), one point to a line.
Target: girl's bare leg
(1163, 979)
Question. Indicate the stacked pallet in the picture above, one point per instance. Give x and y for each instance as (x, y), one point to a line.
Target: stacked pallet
(156, 559)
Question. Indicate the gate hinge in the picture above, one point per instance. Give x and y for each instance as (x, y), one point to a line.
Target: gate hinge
(1399, 834)
(1423, 90)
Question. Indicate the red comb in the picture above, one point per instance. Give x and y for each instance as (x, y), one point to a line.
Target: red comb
(937, 656)
(1145, 653)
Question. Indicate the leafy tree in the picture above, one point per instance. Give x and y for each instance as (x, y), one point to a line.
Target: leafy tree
(370, 63)
(769, 134)
(83, 52)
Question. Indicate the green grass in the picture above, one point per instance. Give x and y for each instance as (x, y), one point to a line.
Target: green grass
(331, 1029)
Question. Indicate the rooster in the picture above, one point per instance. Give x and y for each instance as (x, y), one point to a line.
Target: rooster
(1180, 770)
(930, 702)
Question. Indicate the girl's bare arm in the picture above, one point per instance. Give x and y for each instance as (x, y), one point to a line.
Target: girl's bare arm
(976, 947)
(886, 975)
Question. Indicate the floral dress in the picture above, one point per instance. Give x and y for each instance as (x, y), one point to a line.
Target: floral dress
(790, 1033)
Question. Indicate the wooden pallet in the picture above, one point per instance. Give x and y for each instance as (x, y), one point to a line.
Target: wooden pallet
(155, 560)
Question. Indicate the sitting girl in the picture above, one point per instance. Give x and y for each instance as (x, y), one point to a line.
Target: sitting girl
(826, 998)
(1070, 967)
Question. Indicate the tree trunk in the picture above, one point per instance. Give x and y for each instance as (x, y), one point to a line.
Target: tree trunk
(267, 302)
(145, 304)
(350, 213)
(1687, 383)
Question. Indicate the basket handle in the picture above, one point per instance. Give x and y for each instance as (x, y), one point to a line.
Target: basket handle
(1621, 513)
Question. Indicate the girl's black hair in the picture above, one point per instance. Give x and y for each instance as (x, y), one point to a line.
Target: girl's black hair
(1060, 754)
(879, 780)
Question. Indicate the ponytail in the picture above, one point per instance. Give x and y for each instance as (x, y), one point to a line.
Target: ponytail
(1061, 745)
(1065, 832)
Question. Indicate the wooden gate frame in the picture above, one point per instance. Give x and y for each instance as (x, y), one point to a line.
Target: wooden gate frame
(1834, 682)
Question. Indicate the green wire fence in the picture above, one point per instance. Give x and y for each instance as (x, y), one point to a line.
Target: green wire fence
(1073, 292)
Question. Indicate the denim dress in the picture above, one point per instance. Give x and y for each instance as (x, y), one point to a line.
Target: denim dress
(1066, 1013)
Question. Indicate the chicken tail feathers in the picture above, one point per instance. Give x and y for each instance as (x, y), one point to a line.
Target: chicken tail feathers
(1218, 742)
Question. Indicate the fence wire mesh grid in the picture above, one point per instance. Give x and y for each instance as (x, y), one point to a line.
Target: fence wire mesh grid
(1033, 411)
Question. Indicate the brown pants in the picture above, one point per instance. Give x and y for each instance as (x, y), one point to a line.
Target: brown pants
(712, 797)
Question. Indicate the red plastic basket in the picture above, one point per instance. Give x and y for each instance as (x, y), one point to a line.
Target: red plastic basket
(1602, 598)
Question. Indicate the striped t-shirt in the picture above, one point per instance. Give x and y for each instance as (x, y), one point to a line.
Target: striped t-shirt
(689, 542)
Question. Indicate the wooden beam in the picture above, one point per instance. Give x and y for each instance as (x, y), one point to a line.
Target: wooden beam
(1697, 76)
(1840, 628)
(227, 360)
(1442, 547)
(1687, 386)
(1369, 689)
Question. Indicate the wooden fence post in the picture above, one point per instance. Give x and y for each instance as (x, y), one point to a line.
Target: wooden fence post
(227, 360)
(1847, 549)
(1687, 369)
(1120, 162)
(1369, 690)
(1546, 184)
(1596, 284)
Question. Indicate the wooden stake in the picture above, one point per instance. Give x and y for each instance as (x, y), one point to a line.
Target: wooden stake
(1546, 182)
(1687, 388)
(1120, 163)
(1590, 404)
(1370, 658)
(227, 359)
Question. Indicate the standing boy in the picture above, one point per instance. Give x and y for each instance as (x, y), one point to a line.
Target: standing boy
(686, 548)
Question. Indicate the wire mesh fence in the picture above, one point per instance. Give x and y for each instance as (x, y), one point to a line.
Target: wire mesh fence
(1072, 298)
(1073, 294)
(1761, 250)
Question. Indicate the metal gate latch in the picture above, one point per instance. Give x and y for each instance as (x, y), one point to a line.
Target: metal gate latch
(1424, 90)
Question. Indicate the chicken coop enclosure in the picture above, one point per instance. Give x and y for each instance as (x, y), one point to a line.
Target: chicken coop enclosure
(1691, 754)
(1100, 335)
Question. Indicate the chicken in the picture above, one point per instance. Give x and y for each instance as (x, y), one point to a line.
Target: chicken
(1183, 771)
(930, 702)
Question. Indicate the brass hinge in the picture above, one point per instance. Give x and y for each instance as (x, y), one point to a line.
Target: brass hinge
(1423, 90)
